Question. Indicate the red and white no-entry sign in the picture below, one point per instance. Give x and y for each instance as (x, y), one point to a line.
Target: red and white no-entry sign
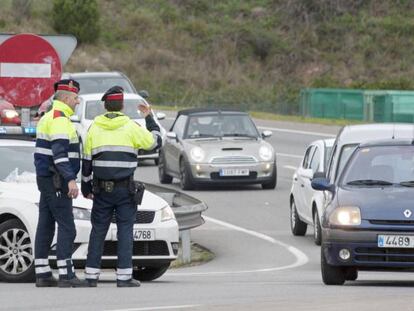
(29, 66)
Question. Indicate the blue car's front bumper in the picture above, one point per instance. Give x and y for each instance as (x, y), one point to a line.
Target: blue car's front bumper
(364, 250)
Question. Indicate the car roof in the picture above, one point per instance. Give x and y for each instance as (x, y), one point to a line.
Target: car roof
(388, 142)
(356, 134)
(329, 142)
(197, 111)
(98, 96)
(92, 74)
(20, 142)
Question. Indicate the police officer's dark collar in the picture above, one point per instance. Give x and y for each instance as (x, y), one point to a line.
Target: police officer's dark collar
(113, 114)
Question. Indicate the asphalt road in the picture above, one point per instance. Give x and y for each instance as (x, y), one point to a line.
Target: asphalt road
(259, 265)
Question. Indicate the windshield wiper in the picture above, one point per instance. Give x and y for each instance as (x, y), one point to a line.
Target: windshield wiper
(240, 135)
(408, 183)
(203, 136)
(369, 182)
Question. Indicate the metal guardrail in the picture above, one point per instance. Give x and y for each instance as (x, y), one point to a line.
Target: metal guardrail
(187, 210)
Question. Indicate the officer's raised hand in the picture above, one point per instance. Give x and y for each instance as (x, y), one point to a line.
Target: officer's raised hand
(144, 108)
(73, 189)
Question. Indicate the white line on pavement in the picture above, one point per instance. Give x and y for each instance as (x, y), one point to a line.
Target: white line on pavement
(290, 167)
(301, 257)
(159, 308)
(276, 129)
(289, 155)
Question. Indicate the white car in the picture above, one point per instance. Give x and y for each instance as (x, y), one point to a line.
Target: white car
(155, 230)
(91, 106)
(306, 204)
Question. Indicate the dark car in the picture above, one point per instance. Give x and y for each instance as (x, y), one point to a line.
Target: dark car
(211, 146)
(369, 222)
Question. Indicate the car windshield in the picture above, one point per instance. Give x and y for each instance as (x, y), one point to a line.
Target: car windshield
(344, 157)
(381, 166)
(17, 163)
(93, 85)
(96, 107)
(221, 125)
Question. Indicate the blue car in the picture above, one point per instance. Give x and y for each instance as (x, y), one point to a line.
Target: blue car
(368, 223)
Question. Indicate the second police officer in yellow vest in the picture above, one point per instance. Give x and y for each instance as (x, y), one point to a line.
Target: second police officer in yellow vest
(110, 159)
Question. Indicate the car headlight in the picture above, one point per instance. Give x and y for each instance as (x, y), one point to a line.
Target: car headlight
(81, 213)
(266, 153)
(346, 216)
(10, 114)
(197, 154)
(167, 213)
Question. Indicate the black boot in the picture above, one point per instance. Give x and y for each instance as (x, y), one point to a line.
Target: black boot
(92, 283)
(73, 282)
(129, 283)
(46, 282)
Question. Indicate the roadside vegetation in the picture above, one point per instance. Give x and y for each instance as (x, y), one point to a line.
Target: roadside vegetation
(253, 55)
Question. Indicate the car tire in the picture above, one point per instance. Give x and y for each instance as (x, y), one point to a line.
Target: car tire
(351, 274)
(297, 226)
(331, 275)
(21, 260)
(271, 184)
(149, 273)
(186, 182)
(157, 161)
(162, 175)
(317, 230)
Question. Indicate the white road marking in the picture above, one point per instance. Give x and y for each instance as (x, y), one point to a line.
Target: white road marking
(290, 167)
(301, 257)
(158, 308)
(276, 129)
(289, 155)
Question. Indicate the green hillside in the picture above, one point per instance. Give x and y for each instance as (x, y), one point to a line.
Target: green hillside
(250, 54)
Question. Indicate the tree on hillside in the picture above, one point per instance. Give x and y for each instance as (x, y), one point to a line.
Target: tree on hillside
(77, 17)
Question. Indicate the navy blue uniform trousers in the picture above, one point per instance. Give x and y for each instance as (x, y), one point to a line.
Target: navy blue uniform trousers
(105, 204)
(54, 208)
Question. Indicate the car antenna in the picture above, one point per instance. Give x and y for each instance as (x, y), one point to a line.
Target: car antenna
(393, 131)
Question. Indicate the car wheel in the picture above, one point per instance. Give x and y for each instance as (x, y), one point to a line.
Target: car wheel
(317, 231)
(185, 176)
(331, 275)
(16, 253)
(149, 273)
(271, 184)
(297, 226)
(162, 175)
(351, 274)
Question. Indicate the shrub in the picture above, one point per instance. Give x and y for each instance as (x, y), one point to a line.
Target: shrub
(77, 17)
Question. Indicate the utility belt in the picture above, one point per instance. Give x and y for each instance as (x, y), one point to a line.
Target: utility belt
(136, 188)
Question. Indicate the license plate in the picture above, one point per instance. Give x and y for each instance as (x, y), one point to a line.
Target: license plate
(144, 235)
(400, 241)
(234, 172)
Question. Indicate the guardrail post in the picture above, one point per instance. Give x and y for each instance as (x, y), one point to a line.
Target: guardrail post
(185, 236)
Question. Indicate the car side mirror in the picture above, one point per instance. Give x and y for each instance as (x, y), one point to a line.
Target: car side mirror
(144, 94)
(322, 184)
(319, 175)
(75, 118)
(266, 134)
(172, 135)
(161, 115)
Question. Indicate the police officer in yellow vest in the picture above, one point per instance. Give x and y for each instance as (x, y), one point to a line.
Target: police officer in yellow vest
(109, 162)
(57, 162)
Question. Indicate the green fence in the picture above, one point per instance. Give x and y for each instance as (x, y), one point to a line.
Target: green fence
(363, 105)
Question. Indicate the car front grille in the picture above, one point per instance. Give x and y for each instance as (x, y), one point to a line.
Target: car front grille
(234, 160)
(376, 254)
(393, 222)
(252, 176)
(143, 217)
(141, 248)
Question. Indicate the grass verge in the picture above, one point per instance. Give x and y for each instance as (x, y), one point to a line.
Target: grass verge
(199, 255)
